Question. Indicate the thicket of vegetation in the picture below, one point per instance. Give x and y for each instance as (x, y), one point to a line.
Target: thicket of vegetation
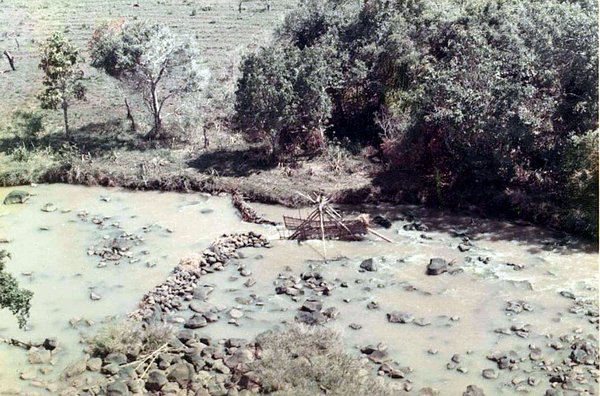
(308, 360)
(488, 101)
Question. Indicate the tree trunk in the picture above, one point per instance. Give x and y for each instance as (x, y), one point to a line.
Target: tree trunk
(155, 112)
(11, 60)
(66, 118)
(130, 115)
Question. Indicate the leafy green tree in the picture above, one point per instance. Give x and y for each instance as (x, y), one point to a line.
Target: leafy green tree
(17, 300)
(63, 77)
(150, 60)
(282, 97)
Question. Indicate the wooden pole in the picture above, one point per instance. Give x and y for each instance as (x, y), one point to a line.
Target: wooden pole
(379, 235)
(322, 231)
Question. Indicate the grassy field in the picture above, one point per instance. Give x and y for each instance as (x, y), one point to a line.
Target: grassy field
(103, 151)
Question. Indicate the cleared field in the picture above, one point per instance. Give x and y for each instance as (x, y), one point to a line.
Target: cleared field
(221, 30)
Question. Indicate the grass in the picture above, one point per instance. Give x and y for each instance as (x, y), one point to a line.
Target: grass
(307, 360)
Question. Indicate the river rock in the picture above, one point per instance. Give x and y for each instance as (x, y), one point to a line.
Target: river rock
(38, 356)
(400, 317)
(118, 388)
(437, 266)
(241, 356)
(181, 373)
(94, 364)
(473, 390)
(235, 313)
(379, 357)
(49, 207)
(16, 197)
(156, 380)
(50, 344)
(195, 322)
(369, 265)
(75, 369)
(312, 305)
(200, 307)
(94, 296)
(489, 374)
(28, 374)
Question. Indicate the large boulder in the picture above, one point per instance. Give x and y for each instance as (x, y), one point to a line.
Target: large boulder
(196, 322)
(437, 266)
(369, 265)
(16, 197)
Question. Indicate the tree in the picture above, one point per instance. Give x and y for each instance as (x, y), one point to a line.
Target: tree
(62, 76)
(151, 60)
(282, 97)
(18, 301)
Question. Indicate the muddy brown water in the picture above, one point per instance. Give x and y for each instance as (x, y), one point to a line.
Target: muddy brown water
(464, 309)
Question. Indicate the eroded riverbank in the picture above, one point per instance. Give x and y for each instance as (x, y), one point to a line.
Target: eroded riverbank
(504, 293)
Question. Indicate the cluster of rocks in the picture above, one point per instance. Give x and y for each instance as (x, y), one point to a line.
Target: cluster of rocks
(570, 363)
(182, 284)
(42, 359)
(415, 226)
(295, 286)
(378, 356)
(312, 312)
(189, 364)
(516, 307)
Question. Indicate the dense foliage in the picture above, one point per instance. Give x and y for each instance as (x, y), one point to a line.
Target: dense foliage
(17, 300)
(151, 60)
(63, 77)
(493, 101)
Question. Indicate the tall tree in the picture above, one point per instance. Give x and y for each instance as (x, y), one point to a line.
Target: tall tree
(63, 77)
(17, 300)
(150, 60)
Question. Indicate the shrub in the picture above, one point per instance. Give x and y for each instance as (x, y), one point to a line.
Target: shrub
(16, 300)
(281, 98)
(306, 361)
(128, 335)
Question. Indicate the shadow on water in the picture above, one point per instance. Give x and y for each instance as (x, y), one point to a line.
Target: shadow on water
(471, 223)
(232, 162)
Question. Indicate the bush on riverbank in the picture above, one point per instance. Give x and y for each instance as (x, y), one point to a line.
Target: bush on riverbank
(308, 360)
(129, 337)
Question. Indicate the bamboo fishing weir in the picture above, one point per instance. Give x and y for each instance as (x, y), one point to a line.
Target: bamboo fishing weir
(326, 223)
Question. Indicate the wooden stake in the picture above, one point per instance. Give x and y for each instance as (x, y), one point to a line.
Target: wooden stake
(379, 235)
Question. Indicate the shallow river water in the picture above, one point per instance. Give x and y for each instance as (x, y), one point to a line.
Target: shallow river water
(51, 256)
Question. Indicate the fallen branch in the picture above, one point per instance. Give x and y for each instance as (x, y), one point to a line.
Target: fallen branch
(22, 344)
